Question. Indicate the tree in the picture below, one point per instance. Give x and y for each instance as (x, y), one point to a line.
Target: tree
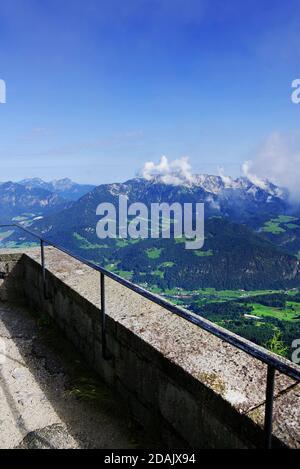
(276, 345)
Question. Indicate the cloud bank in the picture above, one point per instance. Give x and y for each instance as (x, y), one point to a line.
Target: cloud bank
(278, 160)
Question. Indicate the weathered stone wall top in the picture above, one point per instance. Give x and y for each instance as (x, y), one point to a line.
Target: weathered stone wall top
(233, 375)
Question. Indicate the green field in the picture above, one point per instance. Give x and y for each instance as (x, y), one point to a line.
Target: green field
(127, 274)
(112, 266)
(153, 253)
(166, 264)
(211, 295)
(83, 243)
(26, 219)
(274, 225)
(158, 273)
(285, 219)
(270, 326)
(122, 243)
(200, 253)
(286, 314)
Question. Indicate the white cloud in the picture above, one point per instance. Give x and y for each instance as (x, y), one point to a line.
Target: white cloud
(175, 172)
(278, 160)
(247, 171)
(227, 180)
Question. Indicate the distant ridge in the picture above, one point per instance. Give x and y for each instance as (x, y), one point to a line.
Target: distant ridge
(65, 187)
(17, 200)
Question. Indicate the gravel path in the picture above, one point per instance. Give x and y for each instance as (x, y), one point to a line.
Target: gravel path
(48, 398)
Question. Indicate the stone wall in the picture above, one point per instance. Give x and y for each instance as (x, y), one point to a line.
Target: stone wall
(180, 409)
(11, 287)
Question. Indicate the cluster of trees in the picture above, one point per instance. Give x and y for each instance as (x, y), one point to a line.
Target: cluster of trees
(272, 333)
(227, 310)
(275, 300)
(295, 297)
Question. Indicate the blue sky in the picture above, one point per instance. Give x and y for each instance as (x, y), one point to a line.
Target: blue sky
(96, 88)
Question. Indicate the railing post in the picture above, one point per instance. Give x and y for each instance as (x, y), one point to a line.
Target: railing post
(43, 267)
(269, 406)
(103, 316)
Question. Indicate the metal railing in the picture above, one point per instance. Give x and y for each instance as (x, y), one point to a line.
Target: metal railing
(273, 361)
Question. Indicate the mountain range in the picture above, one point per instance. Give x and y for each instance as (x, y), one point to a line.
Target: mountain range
(18, 202)
(252, 231)
(246, 277)
(65, 188)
